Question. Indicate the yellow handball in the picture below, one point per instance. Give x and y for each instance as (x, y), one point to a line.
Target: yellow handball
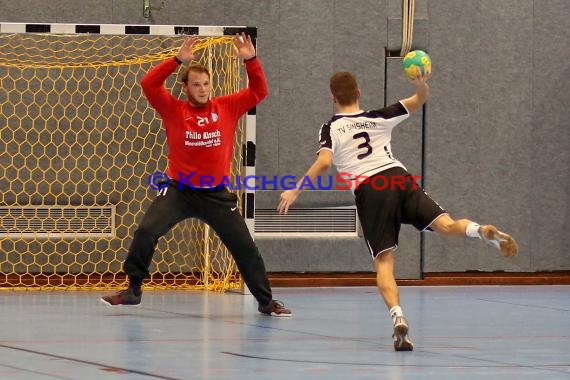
(414, 60)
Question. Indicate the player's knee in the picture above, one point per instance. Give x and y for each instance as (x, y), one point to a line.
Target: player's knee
(146, 233)
(244, 248)
(384, 262)
(444, 227)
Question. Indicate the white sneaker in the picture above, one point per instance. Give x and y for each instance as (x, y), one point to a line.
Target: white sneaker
(500, 240)
(402, 341)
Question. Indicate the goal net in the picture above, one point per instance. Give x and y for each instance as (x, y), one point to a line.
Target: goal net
(78, 141)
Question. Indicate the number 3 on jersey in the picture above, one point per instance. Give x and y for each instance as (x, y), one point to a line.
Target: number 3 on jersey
(364, 145)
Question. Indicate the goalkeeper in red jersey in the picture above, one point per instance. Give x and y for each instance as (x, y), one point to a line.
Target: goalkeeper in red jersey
(200, 135)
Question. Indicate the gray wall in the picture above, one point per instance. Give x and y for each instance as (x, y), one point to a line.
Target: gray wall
(497, 124)
(497, 137)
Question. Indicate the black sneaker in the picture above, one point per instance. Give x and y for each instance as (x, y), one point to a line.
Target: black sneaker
(275, 309)
(402, 341)
(124, 297)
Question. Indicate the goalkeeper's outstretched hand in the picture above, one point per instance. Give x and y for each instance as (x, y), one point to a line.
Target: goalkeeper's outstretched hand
(244, 46)
(185, 53)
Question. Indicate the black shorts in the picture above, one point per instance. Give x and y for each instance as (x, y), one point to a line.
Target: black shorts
(386, 201)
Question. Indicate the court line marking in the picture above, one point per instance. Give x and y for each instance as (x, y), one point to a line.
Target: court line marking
(35, 372)
(88, 362)
(498, 364)
(523, 304)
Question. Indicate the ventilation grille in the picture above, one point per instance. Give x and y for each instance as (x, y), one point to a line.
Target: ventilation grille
(57, 221)
(329, 221)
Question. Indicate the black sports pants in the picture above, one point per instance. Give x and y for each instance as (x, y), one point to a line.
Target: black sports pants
(217, 208)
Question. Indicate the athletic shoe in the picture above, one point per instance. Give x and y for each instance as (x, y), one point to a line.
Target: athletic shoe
(402, 341)
(500, 240)
(124, 297)
(275, 309)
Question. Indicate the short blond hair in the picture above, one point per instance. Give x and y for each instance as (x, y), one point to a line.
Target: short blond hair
(197, 68)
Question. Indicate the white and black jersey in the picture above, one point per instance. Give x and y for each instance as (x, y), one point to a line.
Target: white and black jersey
(360, 142)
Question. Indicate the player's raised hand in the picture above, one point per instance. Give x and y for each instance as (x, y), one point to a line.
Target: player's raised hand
(244, 46)
(185, 53)
(420, 79)
(288, 197)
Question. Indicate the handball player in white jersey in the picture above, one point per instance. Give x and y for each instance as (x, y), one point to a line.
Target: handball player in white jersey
(357, 142)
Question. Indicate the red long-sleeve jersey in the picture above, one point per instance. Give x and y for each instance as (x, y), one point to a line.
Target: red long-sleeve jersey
(201, 140)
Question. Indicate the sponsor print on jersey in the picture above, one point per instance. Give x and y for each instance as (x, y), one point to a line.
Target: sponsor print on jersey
(203, 139)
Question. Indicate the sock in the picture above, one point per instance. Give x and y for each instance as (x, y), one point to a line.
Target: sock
(136, 284)
(472, 230)
(395, 312)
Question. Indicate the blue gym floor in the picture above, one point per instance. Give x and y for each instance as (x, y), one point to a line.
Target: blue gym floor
(520, 332)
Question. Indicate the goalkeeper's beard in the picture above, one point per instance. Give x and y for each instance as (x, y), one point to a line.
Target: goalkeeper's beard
(197, 102)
